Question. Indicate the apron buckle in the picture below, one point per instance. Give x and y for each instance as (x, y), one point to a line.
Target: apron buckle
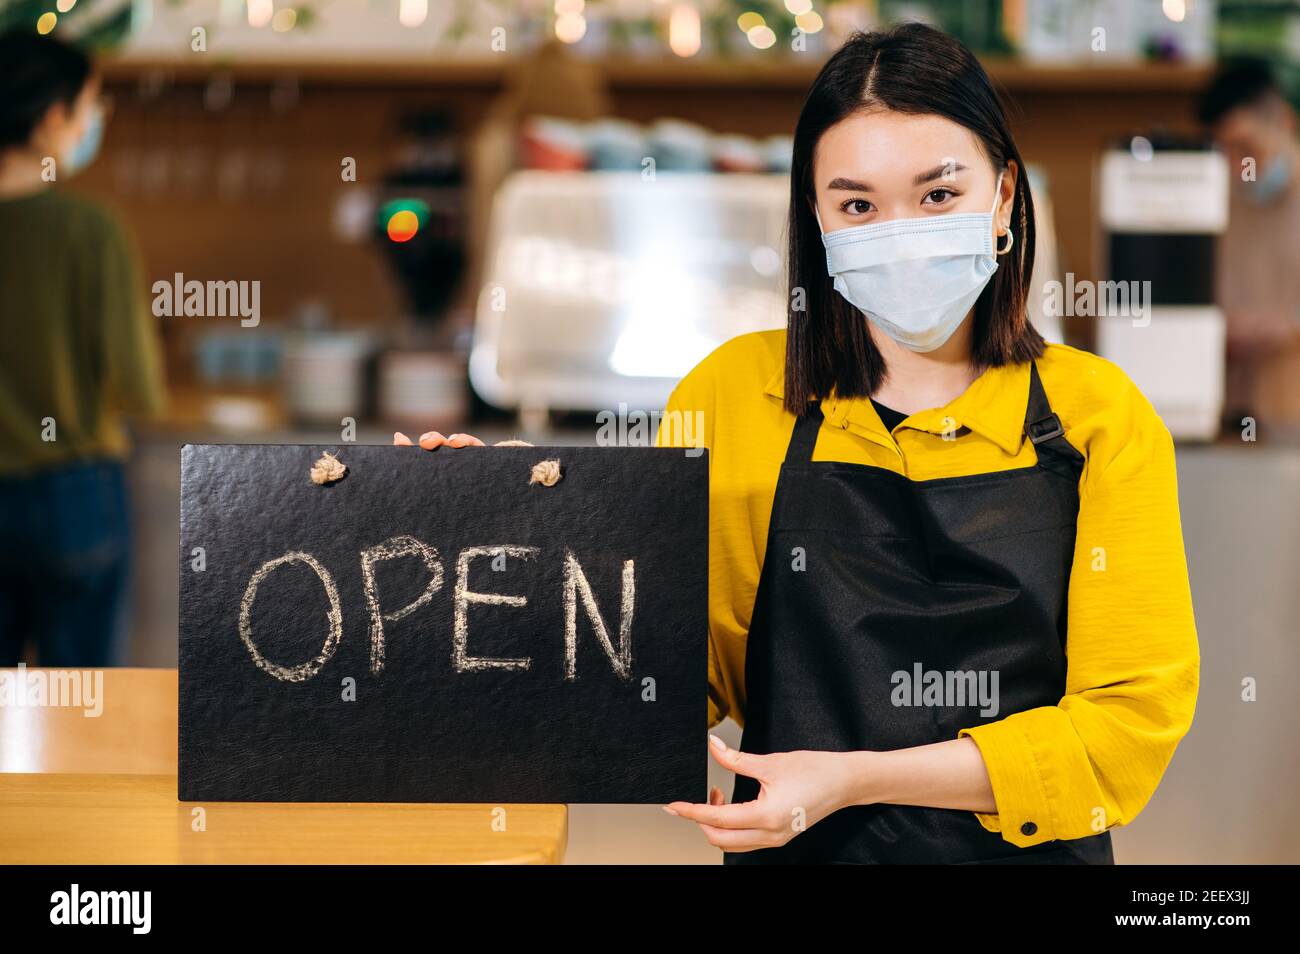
(1045, 429)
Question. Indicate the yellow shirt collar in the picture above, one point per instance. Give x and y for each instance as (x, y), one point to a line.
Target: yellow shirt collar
(993, 406)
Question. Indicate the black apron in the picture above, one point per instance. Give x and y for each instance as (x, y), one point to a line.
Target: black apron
(869, 575)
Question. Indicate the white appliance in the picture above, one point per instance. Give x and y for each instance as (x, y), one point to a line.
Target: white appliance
(1163, 207)
(604, 288)
(1047, 259)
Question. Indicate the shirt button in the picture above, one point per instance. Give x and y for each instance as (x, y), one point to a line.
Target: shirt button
(1028, 828)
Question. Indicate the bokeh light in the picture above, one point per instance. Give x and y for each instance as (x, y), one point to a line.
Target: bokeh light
(570, 27)
(810, 22)
(684, 30)
(402, 225)
(412, 13)
(761, 37)
(46, 23)
(260, 12)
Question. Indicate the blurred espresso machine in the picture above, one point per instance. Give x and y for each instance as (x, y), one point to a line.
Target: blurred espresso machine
(1164, 203)
(603, 288)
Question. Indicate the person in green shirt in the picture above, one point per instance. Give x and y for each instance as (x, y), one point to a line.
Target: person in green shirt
(79, 353)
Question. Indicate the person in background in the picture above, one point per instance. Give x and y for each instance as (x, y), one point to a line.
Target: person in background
(1258, 269)
(79, 352)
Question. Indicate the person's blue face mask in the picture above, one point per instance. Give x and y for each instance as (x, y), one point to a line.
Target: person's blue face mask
(86, 148)
(915, 279)
(1274, 181)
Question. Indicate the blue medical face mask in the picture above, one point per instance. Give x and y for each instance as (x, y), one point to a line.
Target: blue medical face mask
(86, 148)
(915, 279)
(1274, 181)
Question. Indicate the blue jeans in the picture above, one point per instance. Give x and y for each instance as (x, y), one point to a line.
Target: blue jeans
(65, 551)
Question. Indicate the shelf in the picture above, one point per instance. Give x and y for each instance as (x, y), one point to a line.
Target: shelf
(1130, 77)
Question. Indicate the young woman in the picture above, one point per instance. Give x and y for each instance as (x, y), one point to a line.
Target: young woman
(948, 597)
(79, 353)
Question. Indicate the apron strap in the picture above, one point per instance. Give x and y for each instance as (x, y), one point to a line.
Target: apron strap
(804, 438)
(1044, 429)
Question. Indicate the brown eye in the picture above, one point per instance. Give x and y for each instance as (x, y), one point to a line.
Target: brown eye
(856, 207)
(939, 196)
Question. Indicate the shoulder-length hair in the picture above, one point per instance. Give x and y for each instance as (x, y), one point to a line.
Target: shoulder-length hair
(915, 69)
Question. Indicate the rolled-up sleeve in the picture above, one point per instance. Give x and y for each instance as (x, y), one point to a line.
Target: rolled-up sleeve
(1093, 761)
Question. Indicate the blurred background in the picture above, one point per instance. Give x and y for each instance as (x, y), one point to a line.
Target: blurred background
(445, 206)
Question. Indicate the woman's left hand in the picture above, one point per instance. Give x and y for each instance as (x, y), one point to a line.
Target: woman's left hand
(797, 790)
(430, 440)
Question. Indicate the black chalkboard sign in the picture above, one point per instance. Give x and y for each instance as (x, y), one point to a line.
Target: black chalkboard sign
(432, 627)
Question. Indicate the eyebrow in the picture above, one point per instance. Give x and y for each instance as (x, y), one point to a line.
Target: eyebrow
(938, 172)
(852, 185)
(849, 185)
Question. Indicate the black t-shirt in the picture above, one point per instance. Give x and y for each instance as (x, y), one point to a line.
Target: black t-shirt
(891, 417)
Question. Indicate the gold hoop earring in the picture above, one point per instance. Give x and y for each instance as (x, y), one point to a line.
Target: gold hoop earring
(1011, 240)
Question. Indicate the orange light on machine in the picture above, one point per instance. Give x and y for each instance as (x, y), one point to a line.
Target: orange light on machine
(402, 225)
(402, 218)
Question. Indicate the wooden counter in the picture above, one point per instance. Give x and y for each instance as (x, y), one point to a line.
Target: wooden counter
(102, 790)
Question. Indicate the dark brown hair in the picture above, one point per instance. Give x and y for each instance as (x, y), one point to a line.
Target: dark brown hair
(35, 73)
(915, 69)
(1242, 82)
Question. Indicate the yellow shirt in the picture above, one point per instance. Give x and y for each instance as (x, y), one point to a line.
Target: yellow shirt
(1093, 760)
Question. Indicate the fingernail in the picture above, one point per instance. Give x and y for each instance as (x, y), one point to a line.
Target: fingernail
(717, 742)
(401, 439)
(669, 810)
(427, 436)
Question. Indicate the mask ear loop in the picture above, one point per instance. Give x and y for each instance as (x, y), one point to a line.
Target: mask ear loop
(997, 200)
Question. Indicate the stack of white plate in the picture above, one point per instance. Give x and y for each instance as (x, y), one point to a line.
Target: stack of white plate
(423, 390)
(324, 376)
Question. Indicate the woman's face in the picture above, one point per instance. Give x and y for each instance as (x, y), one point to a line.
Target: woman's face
(881, 165)
(66, 123)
